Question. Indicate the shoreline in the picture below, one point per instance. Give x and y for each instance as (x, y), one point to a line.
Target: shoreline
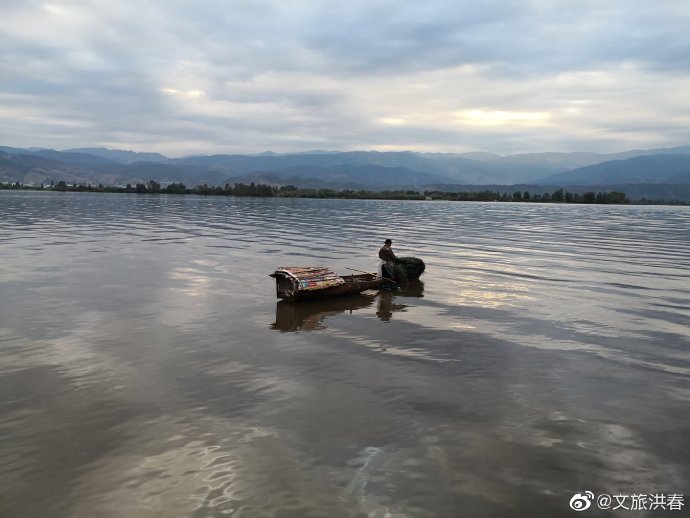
(559, 196)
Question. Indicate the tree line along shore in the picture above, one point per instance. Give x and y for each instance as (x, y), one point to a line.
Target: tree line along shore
(290, 191)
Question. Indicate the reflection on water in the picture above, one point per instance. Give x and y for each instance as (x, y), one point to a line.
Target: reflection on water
(141, 374)
(414, 288)
(311, 315)
(387, 304)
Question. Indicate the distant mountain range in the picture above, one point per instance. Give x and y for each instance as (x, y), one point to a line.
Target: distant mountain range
(354, 170)
(640, 169)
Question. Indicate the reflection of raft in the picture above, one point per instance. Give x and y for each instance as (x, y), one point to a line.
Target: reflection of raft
(309, 315)
(311, 283)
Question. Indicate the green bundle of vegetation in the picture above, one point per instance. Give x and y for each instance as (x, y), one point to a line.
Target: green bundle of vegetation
(408, 268)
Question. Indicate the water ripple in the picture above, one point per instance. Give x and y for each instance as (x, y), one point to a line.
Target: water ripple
(146, 369)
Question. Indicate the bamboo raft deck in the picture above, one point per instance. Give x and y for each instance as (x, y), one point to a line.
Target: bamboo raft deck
(295, 287)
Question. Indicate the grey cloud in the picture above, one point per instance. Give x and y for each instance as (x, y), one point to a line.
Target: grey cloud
(509, 35)
(296, 75)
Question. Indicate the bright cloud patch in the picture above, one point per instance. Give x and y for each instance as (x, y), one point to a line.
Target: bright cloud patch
(502, 118)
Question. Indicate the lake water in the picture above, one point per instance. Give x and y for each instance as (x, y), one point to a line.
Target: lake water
(147, 369)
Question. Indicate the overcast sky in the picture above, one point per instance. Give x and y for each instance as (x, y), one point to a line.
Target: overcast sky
(237, 76)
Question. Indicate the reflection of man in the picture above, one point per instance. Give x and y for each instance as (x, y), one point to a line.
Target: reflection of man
(387, 257)
(385, 307)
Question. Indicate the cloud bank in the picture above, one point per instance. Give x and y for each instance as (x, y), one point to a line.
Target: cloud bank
(247, 76)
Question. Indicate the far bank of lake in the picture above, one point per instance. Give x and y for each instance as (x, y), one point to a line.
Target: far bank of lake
(559, 195)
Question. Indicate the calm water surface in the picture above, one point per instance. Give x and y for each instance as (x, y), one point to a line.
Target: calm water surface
(147, 370)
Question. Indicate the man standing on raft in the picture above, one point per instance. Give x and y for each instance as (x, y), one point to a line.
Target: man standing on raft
(386, 268)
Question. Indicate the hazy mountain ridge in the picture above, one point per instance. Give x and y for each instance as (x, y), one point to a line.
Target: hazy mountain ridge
(343, 177)
(121, 156)
(349, 170)
(641, 169)
(35, 169)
